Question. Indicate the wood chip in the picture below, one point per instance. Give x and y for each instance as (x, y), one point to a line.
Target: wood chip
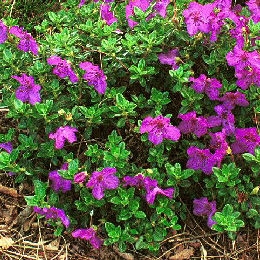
(5, 243)
(9, 191)
(184, 254)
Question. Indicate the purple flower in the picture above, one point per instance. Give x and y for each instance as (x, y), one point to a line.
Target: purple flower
(201, 159)
(159, 128)
(7, 146)
(28, 90)
(62, 134)
(197, 17)
(95, 76)
(53, 213)
(27, 42)
(107, 15)
(62, 68)
(230, 100)
(210, 86)
(141, 4)
(170, 58)
(202, 207)
(3, 32)
(82, 2)
(248, 76)
(80, 177)
(254, 8)
(246, 140)
(58, 182)
(100, 181)
(150, 185)
(193, 124)
(224, 118)
(152, 189)
(161, 7)
(88, 234)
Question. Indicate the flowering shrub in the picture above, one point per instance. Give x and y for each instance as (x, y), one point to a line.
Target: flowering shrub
(122, 107)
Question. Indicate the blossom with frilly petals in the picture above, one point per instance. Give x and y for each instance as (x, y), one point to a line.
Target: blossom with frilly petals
(95, 76)
(53, 213)
(161, 7)
(58, 183)
(27, 42)
(159, 128)
(7, 146)
(169, 58)
(3, 32)
(209, 86)
(254, 8)
(101, 181)
(28, 91)
(201, 159)
(136, 181)
(193, 124)
(230, 100)
(202, 207)
(107, 15)
(247, 139)
(62, 134)
(88, 234)
(62, 68)
(80, 177)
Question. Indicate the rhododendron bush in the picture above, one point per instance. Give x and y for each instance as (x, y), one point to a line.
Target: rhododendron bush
(131, 113)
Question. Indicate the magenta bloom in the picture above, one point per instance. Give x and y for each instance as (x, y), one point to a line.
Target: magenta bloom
(201, 159)
(230, 100)
(62, 68)
(28, 90)
(53, 213)
(169, 58)
(88, 234)
(80, 177)
(254, 8)
(107, 15)
(101, 181)
(248, 76)
(159, 128)
(202, 207)
(58, 182)
(150, 185)
(209, 86)
(82, 2)
(3, 32)
(161, 7)
(8, 147)
(247, 139)
(193, 124)
(197, 18)
(62, 134)
(152, 189)
(27, 42)
(95, 76)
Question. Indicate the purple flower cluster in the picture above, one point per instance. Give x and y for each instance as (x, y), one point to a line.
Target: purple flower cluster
(107, 14)
(27, 42)
(88, 234)
(202, 207)
(62, 68)
(95, 76)
(3, 32)
(58, 183)
(53, 213)
(62, 134)
(150, 186)
(28, 91)
(159, 128)
(7, 146)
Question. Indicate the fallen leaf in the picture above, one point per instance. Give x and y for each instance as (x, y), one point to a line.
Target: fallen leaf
(184, 254)
(9, 191)
(5, 243)
(54, 245)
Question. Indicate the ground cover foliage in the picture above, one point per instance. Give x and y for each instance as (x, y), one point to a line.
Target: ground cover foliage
(128, 120)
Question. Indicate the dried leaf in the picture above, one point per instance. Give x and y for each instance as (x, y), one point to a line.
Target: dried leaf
(54, 245)
(9, 191)
(5, 243)
(184, 254)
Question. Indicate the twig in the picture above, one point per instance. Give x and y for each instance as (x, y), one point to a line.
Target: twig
(10, 14)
